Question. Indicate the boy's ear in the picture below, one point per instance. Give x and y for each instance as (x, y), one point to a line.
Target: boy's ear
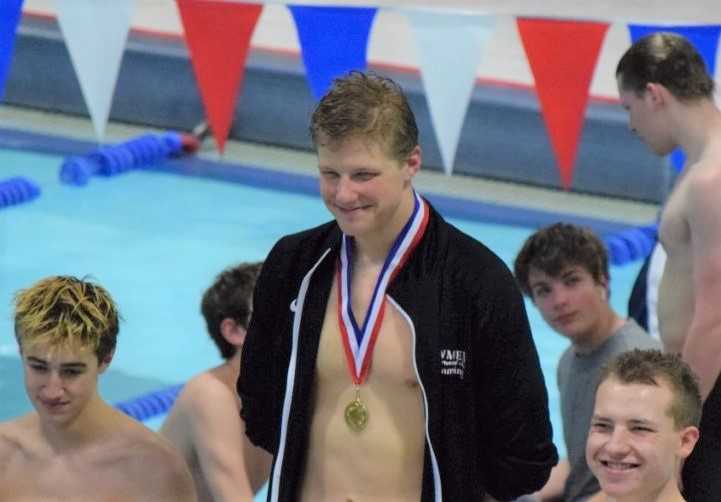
(689, 438)
(233, 332)
(657, 94)
(414, 161)
(603, 282)
(105, 362)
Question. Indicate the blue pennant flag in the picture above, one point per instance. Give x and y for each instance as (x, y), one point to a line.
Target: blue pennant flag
(333, 41)
(704, 38)
(9, 18)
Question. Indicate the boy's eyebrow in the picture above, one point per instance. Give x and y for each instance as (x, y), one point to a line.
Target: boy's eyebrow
(74, 365)
(632, 421)
(573, 269)
(71, 365)
(570, 270)
(640, 421)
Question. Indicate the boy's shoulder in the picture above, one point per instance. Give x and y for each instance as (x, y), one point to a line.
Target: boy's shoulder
(142, 450)
(17, 435)
(205, 387)
(202, 399)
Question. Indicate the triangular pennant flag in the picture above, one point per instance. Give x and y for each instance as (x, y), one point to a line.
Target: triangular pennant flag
(449, 45)
(333, 41)
(562, 56)
(95, 34)
(704, 38)
(9, 18)
(218, 34)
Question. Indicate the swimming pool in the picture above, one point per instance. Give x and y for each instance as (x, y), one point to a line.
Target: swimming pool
(156, 241)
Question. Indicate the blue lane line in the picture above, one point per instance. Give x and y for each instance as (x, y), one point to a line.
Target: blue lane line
(151, 404)
(17, 190)
(454, 207)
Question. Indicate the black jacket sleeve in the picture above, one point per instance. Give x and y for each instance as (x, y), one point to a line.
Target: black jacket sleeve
(517, 442)
(261, 376)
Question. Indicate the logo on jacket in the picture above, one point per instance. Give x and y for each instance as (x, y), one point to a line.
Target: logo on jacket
(453, 362)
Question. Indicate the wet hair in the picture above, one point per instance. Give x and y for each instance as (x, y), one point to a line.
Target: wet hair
(66, 312)
(667, 59)
(367, 106)
(556, 247)
(649, 367)
(229, 297)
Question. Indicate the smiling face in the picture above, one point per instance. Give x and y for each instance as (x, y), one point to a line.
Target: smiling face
(60, 382)
(634, 447)
(646, 118)
(368, 192)
(572, 303)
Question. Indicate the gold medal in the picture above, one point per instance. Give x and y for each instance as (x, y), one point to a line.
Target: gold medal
(356, 414)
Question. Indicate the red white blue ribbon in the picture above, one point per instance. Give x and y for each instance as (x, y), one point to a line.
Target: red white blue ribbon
(359, 341)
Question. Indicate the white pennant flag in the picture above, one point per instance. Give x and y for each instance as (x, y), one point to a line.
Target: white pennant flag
(449, 48)
(95, 32)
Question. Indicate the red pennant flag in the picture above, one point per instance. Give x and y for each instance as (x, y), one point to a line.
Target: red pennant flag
(218, 35)
(562, 56)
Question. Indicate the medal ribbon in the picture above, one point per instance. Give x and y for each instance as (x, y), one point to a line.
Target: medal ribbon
(359, 342)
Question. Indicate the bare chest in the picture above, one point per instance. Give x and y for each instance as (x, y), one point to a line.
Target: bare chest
(384, 461)
(61, 479)
(391, 357)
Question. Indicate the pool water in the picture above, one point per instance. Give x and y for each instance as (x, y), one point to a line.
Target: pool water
(155, 241)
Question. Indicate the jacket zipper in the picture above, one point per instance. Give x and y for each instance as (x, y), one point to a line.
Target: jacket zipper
(437, 486)
(290, 379)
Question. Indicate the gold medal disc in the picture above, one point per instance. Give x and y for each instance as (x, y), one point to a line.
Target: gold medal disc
(356, 415)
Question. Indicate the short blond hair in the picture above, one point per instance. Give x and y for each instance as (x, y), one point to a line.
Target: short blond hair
(367, 106)
(64, 311)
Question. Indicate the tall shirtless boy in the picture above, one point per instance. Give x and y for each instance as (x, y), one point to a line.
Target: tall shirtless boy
(664, 85)
(75, 446)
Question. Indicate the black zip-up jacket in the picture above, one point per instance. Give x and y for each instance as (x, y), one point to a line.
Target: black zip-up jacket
(487, 422)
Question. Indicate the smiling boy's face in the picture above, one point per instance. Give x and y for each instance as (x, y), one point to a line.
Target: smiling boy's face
(634, 447)
(60, 381)
(363, 187)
